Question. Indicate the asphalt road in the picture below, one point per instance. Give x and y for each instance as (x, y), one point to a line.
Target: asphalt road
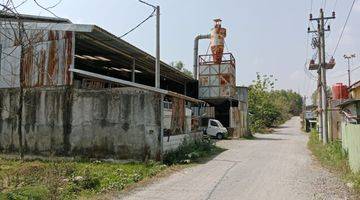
(272, 167)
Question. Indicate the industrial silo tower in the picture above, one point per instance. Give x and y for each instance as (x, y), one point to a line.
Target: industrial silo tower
(217, 70)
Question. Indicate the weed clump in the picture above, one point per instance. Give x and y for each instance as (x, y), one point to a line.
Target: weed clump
(332, 156)
(191, 152)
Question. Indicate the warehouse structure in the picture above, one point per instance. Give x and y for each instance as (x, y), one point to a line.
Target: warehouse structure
(78, 90)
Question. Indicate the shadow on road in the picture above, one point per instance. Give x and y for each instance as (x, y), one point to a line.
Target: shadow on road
(268, 139)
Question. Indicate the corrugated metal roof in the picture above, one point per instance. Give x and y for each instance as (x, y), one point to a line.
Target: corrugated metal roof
(31, 18)
(348, 102)
(355, 85)
(101, 35)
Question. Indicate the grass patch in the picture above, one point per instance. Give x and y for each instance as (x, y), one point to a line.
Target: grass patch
(37, 180)
(63, 180)
(333, 157)
(192, 152)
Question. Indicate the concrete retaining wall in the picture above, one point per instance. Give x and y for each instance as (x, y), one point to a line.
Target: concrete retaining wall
(174, 142)
(351, 144)
(119, 123)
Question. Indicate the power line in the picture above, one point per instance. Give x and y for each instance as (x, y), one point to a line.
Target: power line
(141, 23)
(47, 9)
(341, 75)
(343, 29)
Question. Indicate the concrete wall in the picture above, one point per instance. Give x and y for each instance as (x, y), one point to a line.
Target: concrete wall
(174, 142)
(351, 144)
(119, 123)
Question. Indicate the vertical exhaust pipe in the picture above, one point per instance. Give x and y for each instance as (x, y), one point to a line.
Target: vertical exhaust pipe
(196, 52)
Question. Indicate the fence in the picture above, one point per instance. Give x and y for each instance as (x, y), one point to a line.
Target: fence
(351, 144)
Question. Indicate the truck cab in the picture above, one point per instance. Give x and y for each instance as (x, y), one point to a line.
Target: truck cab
(215, 129)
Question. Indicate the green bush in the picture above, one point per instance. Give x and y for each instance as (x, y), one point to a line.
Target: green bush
(269, 107)
(190, 152)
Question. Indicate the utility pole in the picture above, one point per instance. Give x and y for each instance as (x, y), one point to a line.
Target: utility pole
(321, 68)
(157, 70)
(349, 57)
(304, 112)
(157, 60)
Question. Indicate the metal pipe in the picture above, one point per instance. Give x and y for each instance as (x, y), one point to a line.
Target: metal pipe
(133, 70)
(196, 52)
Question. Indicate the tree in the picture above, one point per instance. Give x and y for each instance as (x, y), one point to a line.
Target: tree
(269, 107)
(179, 65)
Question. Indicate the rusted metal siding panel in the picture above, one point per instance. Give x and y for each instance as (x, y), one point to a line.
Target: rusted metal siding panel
(9, 67)
(178, 116)
(355, 93)
(48, 56)
(217, 81)
(239, 121)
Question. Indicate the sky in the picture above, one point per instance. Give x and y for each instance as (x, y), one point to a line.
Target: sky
(265, 36)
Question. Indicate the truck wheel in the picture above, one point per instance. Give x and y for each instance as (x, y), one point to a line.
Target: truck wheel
(219, 136)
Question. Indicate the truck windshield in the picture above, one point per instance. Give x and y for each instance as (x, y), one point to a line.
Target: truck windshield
(216, 123)
(213, 123)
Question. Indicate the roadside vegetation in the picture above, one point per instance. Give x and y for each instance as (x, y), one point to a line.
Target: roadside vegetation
(192, 152)
(38, 180)
(269, 107)
(43, 180)
(334, 158)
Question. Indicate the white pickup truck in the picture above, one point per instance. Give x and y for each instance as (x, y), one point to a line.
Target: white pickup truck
(214, 128)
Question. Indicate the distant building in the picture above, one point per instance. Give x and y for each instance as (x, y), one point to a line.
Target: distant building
(351, 107)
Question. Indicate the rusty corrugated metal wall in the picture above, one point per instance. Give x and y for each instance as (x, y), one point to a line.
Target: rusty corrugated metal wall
(178, 116)
(47, 57)
(239, 115)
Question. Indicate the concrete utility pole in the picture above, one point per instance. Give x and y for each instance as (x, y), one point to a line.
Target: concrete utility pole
(320, 93)
(157, 70)
(349, 57)
(322, 67)
(157, 60)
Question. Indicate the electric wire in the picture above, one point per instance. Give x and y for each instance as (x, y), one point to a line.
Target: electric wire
(141, 23)
(341, 75)
(309, 78)
(47, 9)
(343, 29)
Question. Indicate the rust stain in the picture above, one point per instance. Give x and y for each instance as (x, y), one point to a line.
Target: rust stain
(53, 35)
(53, 61)
(224, 79)
(69, 56)
(27, 62)
(37, 37)
(178, 116)
(204, 81)
(41, 70)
